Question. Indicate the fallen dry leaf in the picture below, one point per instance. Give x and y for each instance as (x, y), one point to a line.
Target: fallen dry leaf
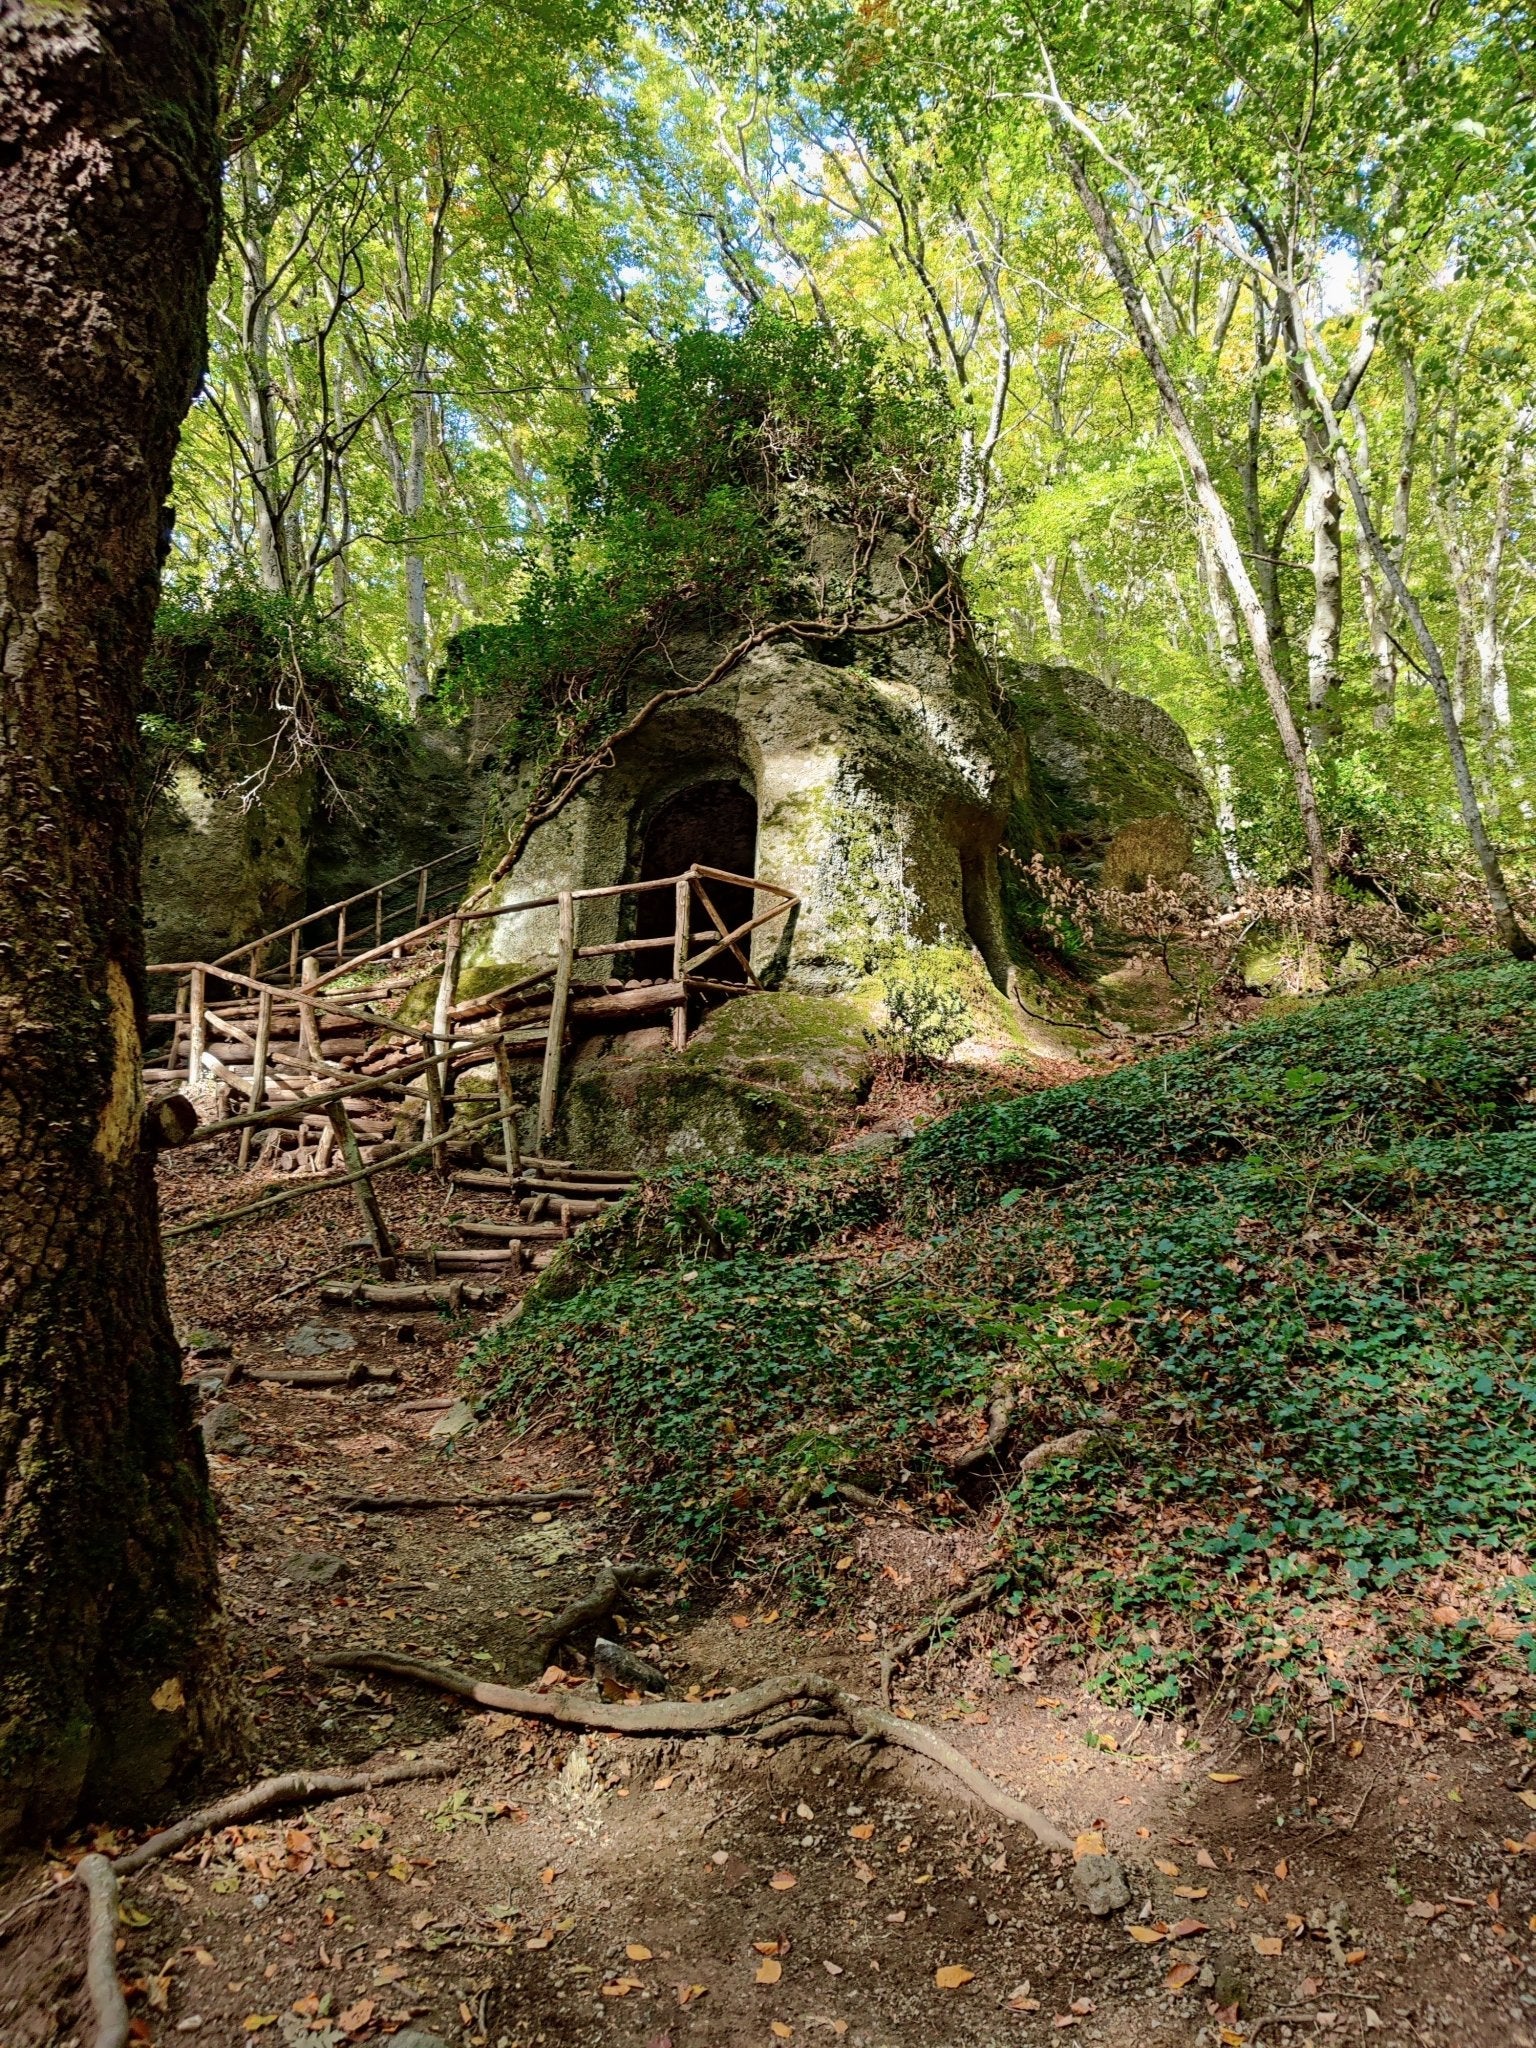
(782, 1881)
(1186, 1930)
(1282, 1869)
(353, 2018)
(637, 1952)
(1191, 1891)
(1087, 1844)
(687, 1993)
(1168, 1869)
(863, 1831)
(620, 1987)
(1422, 1909)
(1224, 1777)
(952, 1976)
(1180, 1975)
(1205, 1859)
(863, 1872)
(769, 1971)
(781, 2032)
(1146, 1934)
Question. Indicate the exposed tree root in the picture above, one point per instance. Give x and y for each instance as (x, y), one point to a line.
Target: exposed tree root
(284, 1791)
(1056, 1447)
(1099, 1877)
(100, 1875)
(1000, 1413)
(108, 2006)
(802, 1724)
(385, 1503)
(915, 1639)
(608, 1589)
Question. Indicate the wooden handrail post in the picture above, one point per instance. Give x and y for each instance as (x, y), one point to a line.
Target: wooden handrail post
(378, 917)
(367, 1200)
(442, 1034)
(681, 945)
(341, 934)
(178, 1028)
(421, 897)
(197, 1025)
(293, 955)
(258, 1070)
(309, 1030)
(509, 1145)
(435, 1123)
(549, 1083)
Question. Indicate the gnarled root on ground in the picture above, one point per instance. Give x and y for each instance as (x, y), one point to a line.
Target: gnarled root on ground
(109, 2008)
(1099, 1877)
(608, 1589)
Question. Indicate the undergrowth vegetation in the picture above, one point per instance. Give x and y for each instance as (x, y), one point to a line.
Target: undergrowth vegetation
(1286, 1281)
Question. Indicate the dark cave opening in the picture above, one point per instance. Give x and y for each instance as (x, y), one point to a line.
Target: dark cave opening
(709, 824)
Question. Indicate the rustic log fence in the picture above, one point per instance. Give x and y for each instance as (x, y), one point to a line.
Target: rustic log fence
(324, 1071)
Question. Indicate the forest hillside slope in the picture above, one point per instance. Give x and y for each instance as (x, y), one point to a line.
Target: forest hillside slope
(1277, 1292)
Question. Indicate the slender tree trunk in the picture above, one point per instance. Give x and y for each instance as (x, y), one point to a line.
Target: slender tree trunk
(1375, 606)
(111, 1664)
(1511, 933)
(413, 504)
(1223, 534)
(273, 568)
(1218, 600)
(1327, 621)
(1046, 572)
(1325, 517)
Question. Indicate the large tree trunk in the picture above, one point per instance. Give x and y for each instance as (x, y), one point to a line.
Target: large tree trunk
(110, 1651)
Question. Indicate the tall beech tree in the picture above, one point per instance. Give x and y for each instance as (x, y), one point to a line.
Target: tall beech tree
(111, 1667)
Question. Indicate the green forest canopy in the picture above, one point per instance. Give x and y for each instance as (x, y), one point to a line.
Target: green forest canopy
(464, 253)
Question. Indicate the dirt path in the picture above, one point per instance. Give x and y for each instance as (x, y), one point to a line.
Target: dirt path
(714, 1892)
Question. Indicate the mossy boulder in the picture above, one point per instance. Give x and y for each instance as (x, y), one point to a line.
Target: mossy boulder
(218, 872)
(765, 1073)
(1116, 791)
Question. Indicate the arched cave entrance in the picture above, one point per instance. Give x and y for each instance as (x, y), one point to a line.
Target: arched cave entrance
(711, 824)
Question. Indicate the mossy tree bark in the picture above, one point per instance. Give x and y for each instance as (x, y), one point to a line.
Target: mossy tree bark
(110, 1658)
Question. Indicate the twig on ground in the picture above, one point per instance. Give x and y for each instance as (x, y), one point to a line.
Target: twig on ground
(108, 2006)
(1099, 1877)
(309, 1280)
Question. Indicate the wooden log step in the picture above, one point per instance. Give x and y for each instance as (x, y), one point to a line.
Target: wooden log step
(458, 1259)
(449, 1294)
(526, 1233)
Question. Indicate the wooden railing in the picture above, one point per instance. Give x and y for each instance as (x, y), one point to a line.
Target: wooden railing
(410, 896)
(285, 1046)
